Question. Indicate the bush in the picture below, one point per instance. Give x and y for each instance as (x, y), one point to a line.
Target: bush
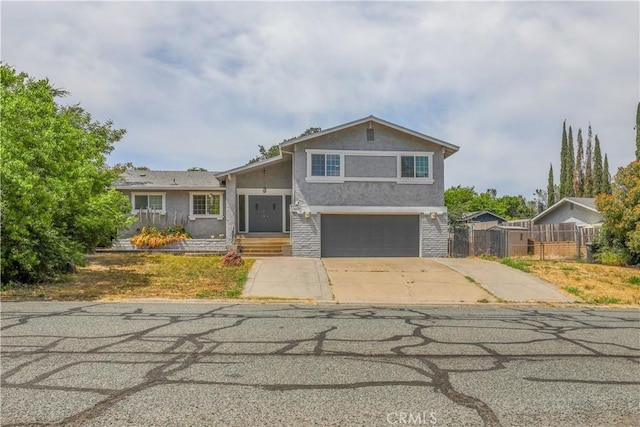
(613, 257)
(151, 237)
(232, 258)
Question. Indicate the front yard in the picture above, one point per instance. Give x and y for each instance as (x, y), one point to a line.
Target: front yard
(142, 275)
(112, 276)
(590, 283)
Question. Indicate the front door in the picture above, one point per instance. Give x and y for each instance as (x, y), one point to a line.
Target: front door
(265, 214)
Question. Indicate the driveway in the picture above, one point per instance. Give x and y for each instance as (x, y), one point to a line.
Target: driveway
(395, 281)
(399, 281)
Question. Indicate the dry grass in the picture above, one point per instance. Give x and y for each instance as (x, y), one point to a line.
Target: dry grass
(591, 283)
(142, 275)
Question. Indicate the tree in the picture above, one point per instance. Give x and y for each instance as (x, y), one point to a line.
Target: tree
(638, 132)
(196, 169)
(597, 168)
(588, 167)
(551, 189)
(621, 212)
(564, 163)
(55, 203)
(578, 171)
(274, 150)
(606, 176)
(570, 164)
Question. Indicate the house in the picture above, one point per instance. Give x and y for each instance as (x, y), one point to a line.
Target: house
(364, 188)
(482, 220)
(579, 210)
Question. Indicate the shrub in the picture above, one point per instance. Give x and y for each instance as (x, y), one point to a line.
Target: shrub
(151, 237)
(232, 258)
(613, 257)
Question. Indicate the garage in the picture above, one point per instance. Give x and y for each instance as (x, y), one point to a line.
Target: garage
(370, 235)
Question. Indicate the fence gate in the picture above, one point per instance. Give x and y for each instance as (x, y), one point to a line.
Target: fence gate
(459, 243)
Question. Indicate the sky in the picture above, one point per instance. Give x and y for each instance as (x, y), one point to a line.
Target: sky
(204, 83)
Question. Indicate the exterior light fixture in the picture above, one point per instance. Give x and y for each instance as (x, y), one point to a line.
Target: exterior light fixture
(433, 215)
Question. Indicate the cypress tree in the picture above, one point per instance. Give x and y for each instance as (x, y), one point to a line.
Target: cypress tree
(606, 176)
(588, 167)
(578, 171)
(564, 163)
(551, 191)
(597, 168)
(570, 166)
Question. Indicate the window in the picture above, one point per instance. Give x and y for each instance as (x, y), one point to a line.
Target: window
(153, 202)
(414, 167)
(325, 165)
(203, 204)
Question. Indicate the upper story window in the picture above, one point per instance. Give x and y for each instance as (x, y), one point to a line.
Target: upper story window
(150, 201)
(206, 205)
(325, 165)
(414, 167)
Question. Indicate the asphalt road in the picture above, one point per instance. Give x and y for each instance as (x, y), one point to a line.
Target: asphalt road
(176, 364)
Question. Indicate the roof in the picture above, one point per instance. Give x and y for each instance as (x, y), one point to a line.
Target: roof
(472, 215)
(249, 166)
(139, 179)
(449, 148)
(588, 203)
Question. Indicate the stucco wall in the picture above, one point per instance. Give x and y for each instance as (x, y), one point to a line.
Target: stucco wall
(564, 213)
(177, 213)
(278, 175)
(369, 193)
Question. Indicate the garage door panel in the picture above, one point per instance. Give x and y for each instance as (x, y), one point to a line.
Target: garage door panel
(370, 235)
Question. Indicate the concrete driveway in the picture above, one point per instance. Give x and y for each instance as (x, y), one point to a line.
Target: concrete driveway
(395, 281)
(399, 281)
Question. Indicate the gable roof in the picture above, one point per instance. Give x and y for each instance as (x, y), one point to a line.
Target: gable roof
(588, 203)
(249, 166)
(449, 149)
(138, 179)
(473, 215)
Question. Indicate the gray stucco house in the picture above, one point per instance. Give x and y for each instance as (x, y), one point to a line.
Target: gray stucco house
(364, 188)
(579, 210)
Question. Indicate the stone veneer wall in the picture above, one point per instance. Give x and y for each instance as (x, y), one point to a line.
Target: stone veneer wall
(189, 245)
(435, 236)
(305, 235)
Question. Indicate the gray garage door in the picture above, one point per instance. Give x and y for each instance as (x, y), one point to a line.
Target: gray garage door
(370, 235)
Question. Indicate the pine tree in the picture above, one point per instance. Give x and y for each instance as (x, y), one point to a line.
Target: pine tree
(578, 170)
(638, 133)
(588, 167)
(564, 163)
(606, 176)
(597, 168)
(551, 191)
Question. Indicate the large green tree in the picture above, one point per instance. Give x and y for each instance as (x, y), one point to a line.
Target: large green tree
(638, 132)
(598, 177)
(462, 200)
(56, 202)
(565, 164)
(621, 211)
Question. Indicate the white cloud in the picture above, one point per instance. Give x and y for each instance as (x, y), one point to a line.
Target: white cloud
(204, 83)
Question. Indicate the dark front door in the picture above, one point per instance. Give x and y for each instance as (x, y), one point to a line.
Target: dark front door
(265, 214)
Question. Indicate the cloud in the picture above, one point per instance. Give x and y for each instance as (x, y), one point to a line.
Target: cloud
(203, 83)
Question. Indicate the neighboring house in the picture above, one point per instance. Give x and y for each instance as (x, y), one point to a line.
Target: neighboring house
(482, 220)
(579, 210)
(364, 188)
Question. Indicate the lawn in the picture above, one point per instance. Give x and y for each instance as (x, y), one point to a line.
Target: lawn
(590, 283)
(142, 275)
